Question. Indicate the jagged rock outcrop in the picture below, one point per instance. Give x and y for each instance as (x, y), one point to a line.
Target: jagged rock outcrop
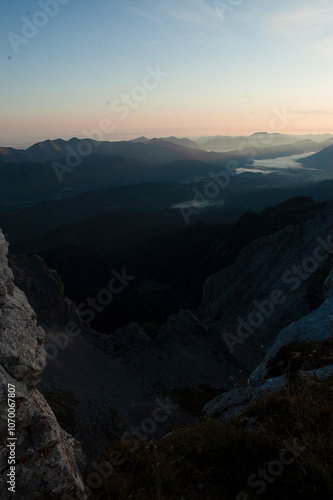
(316, 326)
(44, 290)
(275, 281)
(109, 382)
(124, 366)
(116, 378)
(48, 460)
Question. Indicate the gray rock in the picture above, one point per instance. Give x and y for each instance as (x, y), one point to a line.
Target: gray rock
(234, 403)
(263, 266)
(121, 374)
(322, 373)
(44, 290)
(48, 460)
(316, 326)
(22, 351)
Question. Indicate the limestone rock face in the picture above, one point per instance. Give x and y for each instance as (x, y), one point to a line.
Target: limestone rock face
(316, 326)
(48, 460)
(21, 341)
(293, 262)
(44, 290)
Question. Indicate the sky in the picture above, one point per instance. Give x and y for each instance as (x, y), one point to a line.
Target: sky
(123, 69)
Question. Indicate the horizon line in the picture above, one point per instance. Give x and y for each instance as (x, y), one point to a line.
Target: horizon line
(26, 143)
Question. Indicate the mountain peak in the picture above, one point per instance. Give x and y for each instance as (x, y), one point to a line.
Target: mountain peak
(142, 139)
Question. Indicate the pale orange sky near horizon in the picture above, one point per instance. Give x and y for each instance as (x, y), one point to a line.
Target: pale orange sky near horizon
(195, 126)
(218, 73)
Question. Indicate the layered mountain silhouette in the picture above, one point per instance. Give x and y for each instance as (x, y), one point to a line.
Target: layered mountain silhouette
(258, 140)
(58, 169)
(154, 150)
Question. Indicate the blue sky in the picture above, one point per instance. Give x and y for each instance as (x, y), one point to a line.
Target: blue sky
(228, 67)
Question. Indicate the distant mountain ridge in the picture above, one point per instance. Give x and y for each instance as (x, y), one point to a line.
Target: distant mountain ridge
(59, 169)
(258, 140)
(322, 160)
(50, 150)
(188, 143)
(154, 150)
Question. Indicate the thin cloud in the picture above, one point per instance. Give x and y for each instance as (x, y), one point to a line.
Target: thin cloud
(199, 15)
(305, 17)
(195, 12)
(312, 26)
(142, 13)
(297, 19)
(169, 40)
(154, 42)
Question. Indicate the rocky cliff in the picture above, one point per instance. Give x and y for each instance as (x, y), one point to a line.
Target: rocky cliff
(312, 330)
(47, 461)
(110, 383)
(100, 385)
(275, 281)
